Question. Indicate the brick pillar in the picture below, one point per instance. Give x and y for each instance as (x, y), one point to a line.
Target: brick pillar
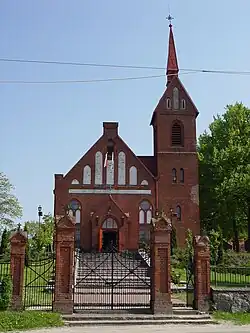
(201, 273)
(65, 246)
(160, 265)
(18, 242)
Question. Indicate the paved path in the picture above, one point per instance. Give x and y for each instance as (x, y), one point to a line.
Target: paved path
(150, 329)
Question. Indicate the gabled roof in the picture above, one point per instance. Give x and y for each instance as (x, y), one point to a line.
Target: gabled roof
(162, 102)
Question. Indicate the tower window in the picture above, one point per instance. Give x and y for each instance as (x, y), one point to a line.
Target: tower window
(178, 212)
(176, 98)
(181, 175)
(183, 104)
(174, 175)
(177, 135)
(168, 103)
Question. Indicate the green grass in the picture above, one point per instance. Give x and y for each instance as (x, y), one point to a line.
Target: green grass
(229, 279)
(36, 278)
(239, 318)
(221, 279)
(17, 321)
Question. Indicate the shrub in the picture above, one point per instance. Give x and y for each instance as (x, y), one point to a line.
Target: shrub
(233, 259)
(175, 277)
(5, 292)
(180, 258)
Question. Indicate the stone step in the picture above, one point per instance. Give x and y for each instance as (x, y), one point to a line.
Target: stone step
(132, 317)
(136, 322)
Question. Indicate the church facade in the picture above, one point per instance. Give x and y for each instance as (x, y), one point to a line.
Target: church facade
(114, 193)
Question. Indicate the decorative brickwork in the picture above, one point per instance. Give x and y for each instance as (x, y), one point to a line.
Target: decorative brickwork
(160, 261)
(201, 273)
(64, 243)
(18, 242)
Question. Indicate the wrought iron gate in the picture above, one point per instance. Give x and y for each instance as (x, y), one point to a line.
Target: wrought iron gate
(39, 281)
(113, 280)
(190, 282)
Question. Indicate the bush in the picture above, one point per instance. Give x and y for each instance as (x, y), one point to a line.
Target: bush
(5, 293)
(175, 277)
(233, 259)
(180, 258)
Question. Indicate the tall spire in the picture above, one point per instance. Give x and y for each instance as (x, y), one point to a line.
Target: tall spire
(172, 65)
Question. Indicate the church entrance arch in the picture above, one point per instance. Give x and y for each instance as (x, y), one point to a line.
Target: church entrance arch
(109, 235)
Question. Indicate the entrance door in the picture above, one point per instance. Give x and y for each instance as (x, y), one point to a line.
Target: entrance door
(109, 235)
(109, 240)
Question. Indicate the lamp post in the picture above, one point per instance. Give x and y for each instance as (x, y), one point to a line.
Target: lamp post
(40, 214)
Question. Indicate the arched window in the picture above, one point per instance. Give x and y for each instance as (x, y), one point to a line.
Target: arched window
(121, 168)
(98, 168)
(176, 98)
(181, 175)
(178, 212)
(86, 175)
(144, 182)
(183, 104)
(133, 176)
(75, 182)
(145, 212)
(168, 103)
(109, 223)
(177, 134)
(174, 175)
(75, 210)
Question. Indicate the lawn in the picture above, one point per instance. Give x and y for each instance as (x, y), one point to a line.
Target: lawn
(237, 318)
(16, 321)
(230, 277)
(36, 278)
(225, 277)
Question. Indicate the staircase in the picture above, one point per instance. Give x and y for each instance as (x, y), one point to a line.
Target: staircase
(119, 318)
(129, 279)
(102, 269)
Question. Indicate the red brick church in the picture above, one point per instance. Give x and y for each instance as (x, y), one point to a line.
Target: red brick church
(113, 193)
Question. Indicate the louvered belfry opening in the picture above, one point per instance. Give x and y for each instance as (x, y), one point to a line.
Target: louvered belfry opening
(177, 135)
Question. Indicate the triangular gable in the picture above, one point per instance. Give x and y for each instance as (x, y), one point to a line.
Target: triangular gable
(115, 204)
(65, 221)
(175, 82)
(137, 158)
(79, 162)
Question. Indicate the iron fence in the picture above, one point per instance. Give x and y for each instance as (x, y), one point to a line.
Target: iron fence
(39, 284)
(233, 277)
(4, 268)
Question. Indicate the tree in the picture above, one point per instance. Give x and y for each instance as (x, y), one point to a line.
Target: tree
(40, 235)
(10, 208)
(4, 242)
(224, 156)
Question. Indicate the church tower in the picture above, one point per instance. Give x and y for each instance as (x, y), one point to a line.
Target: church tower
(174, 126)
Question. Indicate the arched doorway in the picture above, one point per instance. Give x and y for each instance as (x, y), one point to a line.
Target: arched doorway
(109, 235)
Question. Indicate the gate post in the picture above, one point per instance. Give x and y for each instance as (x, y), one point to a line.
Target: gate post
(160, 264)
(65, 246)
(18, 242)
(201, 273)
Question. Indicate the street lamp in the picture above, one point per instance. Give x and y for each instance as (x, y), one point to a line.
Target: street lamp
(40, 214)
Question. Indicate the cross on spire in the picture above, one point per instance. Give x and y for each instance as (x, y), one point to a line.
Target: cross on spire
(170, 18)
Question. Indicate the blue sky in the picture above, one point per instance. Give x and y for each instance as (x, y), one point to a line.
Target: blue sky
(45, 129)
